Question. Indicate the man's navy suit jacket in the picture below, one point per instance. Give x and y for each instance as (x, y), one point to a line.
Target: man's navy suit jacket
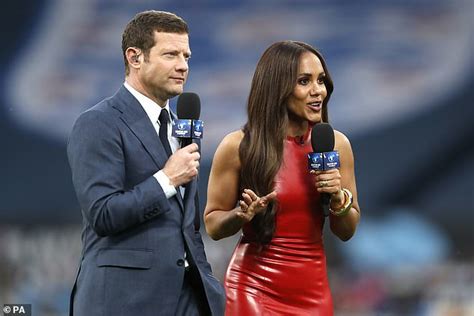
(134, 238)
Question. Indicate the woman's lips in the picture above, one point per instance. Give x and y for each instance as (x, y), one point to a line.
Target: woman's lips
(315, 106)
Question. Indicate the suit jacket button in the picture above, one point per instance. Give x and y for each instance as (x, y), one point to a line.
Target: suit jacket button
(155, 210)
(180, 262)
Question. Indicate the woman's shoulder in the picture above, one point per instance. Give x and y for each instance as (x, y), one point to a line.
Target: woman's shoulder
(228, 149)
(232, 140)
(342, 142)
(235, 135)
(339, 136)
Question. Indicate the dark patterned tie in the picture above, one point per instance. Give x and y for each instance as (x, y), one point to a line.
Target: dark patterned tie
(164, 119)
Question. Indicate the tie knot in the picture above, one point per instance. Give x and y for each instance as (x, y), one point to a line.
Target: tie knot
(164, 117)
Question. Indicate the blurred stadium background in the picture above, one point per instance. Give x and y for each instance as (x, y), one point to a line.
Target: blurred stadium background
(403, 73)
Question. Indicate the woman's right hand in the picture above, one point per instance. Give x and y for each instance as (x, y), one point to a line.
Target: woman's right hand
(251, 204)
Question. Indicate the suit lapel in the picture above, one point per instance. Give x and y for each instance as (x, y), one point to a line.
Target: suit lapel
(135, 117)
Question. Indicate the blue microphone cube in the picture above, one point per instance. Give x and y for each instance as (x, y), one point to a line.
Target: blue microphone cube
(198, 128)
(315, 161)
(181, 128)
(331, 160)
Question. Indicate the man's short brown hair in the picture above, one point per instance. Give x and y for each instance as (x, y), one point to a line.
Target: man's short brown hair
(140, 31)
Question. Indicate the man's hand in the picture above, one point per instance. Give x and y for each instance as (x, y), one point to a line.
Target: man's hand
(183, 165)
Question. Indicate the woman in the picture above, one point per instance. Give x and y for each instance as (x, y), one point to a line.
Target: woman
(279, 265)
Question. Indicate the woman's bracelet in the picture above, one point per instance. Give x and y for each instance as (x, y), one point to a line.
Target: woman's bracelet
(347, 204)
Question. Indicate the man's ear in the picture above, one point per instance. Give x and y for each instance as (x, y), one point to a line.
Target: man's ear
(133, 57)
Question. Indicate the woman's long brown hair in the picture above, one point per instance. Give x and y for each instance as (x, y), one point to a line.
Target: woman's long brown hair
(261, 149)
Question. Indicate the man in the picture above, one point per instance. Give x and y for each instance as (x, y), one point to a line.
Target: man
(142, 250)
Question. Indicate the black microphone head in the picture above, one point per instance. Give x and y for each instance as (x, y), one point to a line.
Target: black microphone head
(322, 138)
(188, 106)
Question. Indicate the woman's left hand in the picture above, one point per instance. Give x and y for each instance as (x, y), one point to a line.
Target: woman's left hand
(329, 181)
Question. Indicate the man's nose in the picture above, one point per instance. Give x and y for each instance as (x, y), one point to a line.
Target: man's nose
(182, 64)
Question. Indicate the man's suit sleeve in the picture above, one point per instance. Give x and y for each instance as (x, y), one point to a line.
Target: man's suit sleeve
(96, 157)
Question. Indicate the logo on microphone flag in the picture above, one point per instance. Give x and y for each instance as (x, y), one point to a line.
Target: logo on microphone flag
(181, 128)
(331, 160)
(198, 128)
(315, 161)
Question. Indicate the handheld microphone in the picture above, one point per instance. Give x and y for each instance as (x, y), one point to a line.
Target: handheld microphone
(324, 157)
(188, 125)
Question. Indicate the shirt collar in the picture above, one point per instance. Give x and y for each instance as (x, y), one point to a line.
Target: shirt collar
(151, 108)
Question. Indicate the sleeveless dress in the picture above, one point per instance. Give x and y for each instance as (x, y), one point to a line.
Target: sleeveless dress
(288, 276)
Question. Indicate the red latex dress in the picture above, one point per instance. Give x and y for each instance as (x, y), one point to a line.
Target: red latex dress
(287, 277)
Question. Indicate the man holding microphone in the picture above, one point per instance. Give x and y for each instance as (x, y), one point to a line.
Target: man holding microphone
(142, 250)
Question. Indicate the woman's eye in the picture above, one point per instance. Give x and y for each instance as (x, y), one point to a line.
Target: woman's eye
(303, 81)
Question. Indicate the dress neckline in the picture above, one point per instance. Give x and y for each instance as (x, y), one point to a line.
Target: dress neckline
(301, 139)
